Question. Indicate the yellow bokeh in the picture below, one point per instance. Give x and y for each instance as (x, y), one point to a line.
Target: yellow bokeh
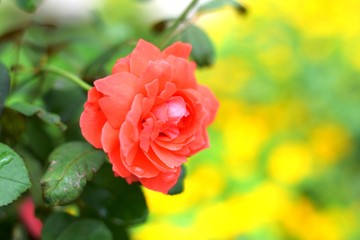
(290, 163)
(280, 164)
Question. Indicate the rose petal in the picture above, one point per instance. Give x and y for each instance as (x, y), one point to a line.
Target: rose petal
(163, 182)
(122, 65)
(141, 55)
(183, 72)
(142, 167)
(178, 49)
(117, 164)
(160, 70)
(109, 138)
(92, 119)
(210, 102)
(152, 89)
(129, 131)
(157, 162)
(170, 159)
(119, 90)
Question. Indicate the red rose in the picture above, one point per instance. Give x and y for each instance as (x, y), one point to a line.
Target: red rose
(150, 114)
(28, 218)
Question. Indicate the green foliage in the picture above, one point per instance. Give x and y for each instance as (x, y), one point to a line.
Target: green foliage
(28, 109)
(4, 85)
(14, 179)
(61, 226)
(28, 5)
(71, 166)
(55, 224)
(179, 186)
(203, 51)
(115, 200)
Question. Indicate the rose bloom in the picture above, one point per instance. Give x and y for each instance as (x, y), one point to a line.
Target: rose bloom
(149, 115)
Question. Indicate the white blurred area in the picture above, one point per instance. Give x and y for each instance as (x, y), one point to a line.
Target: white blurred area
(67, 11)
(156, 10)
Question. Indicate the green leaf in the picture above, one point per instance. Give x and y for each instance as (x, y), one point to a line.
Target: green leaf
(14, 178)
(96, 68)
(4, 85)
(114, 200)
(28, 5)
(203, 51)
(35, 172)
(179, 186)
(88, 229)
(29, 109)
(71, 166)
(55, 224)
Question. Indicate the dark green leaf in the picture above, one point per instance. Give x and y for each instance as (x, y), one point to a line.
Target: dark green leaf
(14, 178)
(71, 166)
(41, 138)
(4, 85)
(179, 186)
(113, 199)
(28, 5)
(12, 125)
(55, 224)
(203, 51)
(29, 109)
(88, 229)
(95, 69)
(75, 97)
(35, 172)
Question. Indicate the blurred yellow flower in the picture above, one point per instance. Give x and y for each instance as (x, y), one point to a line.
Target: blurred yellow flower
(290, 162)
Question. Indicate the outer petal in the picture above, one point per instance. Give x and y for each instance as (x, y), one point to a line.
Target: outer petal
(178, 49)
(160, 70)
(142, 54)
(183, 72)
(117, 164)
(162, 182)
(209, 102)
(109, 138)
(119, 90)
(92, 119)
(122, 65)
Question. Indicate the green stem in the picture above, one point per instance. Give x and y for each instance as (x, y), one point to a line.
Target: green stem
(67, 75)
(170, 31)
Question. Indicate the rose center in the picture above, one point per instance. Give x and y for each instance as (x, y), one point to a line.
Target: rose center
(171, 114)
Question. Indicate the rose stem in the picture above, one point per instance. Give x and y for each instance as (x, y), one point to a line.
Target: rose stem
(169, 32)
(67, 75)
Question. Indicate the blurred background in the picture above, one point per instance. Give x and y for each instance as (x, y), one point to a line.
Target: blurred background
(284, 161)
